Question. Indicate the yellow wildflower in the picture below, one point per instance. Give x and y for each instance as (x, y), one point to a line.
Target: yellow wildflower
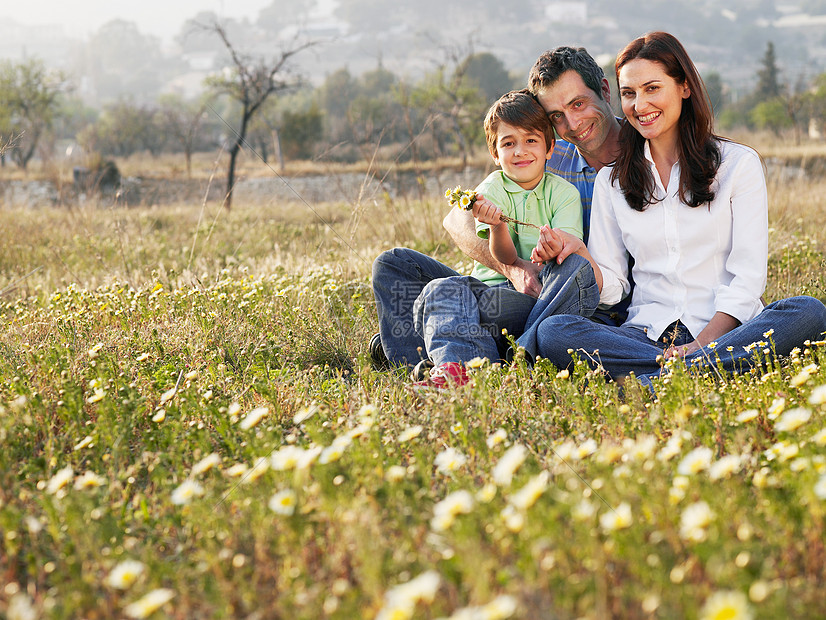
(283, 502)
(253, 418)
(125, 574)
(616, 519)
(149, 604)
(727, 605)
(59, 480)
(409, 433)
(186, 492)
(793, 419)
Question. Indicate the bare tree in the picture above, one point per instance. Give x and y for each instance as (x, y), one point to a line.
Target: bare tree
(251, 82)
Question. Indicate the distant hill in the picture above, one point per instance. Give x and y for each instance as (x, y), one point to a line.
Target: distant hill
(415, 37)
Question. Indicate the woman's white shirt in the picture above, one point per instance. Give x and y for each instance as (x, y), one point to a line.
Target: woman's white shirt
(689, 263)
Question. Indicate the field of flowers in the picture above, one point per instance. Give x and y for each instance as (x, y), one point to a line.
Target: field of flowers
(190, 428)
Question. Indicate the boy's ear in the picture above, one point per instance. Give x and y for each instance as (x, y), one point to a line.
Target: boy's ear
(550, 148)
(494, 155)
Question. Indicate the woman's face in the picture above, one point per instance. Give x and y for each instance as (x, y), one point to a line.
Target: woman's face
(652, 100)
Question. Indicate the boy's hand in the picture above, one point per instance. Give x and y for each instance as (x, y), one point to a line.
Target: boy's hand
(557, 244)
(486, 212)
(548, 247)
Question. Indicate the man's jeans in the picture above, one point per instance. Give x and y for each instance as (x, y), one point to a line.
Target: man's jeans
(460, 318)
(621, 350)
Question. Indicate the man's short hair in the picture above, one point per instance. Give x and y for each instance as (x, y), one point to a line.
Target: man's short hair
(517, 108)
(553, 63)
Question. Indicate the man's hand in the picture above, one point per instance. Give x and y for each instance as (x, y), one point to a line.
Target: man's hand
(524, 275)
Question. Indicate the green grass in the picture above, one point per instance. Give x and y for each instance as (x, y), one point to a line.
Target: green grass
(138, 341)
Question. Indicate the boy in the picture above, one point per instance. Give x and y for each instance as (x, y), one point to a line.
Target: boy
(520, 140)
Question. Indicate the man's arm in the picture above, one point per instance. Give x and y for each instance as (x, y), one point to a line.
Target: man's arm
(523, 274)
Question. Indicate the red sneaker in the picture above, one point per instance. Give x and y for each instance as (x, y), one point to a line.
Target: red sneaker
(449, 374)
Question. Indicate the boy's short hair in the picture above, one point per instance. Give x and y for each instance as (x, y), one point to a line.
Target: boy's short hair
(518, 108)
(553, 63)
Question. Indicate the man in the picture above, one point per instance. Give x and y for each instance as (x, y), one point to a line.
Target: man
(573, 91)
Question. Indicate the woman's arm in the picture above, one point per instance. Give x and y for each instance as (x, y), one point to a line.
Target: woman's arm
(743, 188)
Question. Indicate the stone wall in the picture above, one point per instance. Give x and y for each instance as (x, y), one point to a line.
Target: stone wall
(345, 187)
(348, 187)
(26, 194)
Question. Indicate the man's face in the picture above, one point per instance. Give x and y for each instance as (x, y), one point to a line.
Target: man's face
(577, 113)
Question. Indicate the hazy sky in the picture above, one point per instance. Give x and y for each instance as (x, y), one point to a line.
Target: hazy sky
(162, 18)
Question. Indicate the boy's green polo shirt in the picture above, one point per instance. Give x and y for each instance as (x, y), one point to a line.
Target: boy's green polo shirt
(554, 202)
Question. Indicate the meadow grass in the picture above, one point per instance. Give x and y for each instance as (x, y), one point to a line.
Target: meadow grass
(190, 428)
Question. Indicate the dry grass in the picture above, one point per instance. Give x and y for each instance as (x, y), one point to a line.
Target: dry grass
(146, 335)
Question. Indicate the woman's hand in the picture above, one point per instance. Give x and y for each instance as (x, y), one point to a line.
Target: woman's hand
(682, 350)
(719, 325)
(486, 212)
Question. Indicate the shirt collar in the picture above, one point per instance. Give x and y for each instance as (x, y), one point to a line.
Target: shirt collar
(512, 187)
(581, 163)
(657, 181)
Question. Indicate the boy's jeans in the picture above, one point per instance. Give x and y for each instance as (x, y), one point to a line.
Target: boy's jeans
(459, 317)
(399, 277)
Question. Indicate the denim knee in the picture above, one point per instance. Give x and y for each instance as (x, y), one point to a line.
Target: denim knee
(440, 286)
(434, 292)
(388, 257)
(553, 341)
(814, 313)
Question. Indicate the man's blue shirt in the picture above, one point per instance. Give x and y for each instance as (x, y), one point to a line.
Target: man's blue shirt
(566, 162)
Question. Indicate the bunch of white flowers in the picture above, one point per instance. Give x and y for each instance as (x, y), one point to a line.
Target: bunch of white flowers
(462, 198)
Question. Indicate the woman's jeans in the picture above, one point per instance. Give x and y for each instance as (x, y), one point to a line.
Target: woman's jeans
(782, 326)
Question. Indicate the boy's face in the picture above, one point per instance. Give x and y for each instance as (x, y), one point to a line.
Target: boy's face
(521, 153)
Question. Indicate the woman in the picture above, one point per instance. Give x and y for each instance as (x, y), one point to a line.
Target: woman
(691, 209)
